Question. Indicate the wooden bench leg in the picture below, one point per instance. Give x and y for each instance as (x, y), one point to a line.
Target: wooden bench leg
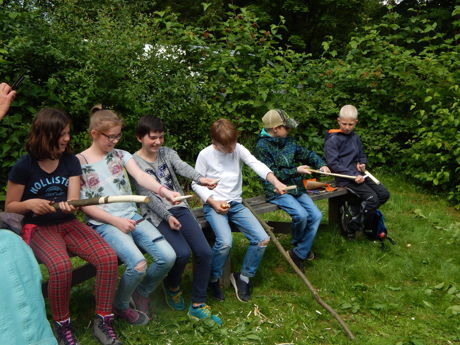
(334, 210)
(225, 280)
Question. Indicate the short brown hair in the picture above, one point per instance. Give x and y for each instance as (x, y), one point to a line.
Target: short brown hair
(102, 119)
(224, 132)
(43, 142)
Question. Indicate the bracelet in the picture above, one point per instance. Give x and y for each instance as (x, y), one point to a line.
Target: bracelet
(159, 191)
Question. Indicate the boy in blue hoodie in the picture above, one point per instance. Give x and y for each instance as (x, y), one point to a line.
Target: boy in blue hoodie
(288, 160)
(344, 155)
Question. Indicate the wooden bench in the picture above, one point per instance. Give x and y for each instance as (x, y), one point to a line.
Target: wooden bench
(260, 206)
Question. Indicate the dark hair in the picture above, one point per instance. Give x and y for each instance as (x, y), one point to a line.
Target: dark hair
(45, 133)
(147, 124)
(224, 132)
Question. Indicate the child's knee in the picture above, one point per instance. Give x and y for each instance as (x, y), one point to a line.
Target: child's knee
(264, 243)
(141, 266)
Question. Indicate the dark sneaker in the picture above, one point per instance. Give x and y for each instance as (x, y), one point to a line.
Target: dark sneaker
(174, 299)
(141, 303)
(132, 316)
(216, 291)
(310, 256)
(64, 333)
(103, 330)
(298, 261)
(203, 312)
(242, 288)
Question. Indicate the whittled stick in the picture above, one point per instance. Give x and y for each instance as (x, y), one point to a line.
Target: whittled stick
(105, 200)
(332, 174)
(372, 177)
(288, 188)
(182, 197)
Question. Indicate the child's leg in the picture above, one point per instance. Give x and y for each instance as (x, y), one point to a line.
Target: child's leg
(49, 247)
(254, 232)
(305, 216)
(202, 253)
(87, 244)
(182, 250)
(223, 244)
(128, 252)
(152, 241)
(314, 216)
(382, 193)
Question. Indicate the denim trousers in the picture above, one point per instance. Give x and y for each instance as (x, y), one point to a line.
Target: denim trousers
(248, 224)
(147, 237)
(190, 237)
(306, 218)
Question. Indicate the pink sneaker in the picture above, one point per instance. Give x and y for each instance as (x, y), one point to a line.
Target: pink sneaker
(132, 316)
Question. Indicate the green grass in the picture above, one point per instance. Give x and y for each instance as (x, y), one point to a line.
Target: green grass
(408, 294)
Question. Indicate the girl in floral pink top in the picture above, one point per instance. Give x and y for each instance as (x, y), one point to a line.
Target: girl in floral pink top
(105, 172)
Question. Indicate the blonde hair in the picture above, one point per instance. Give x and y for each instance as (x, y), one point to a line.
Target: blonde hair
(348, 112)
(102, 119)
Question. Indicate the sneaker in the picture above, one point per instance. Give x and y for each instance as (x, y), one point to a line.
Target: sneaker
(298, 261)
(64, 333)
(174, 298)
(242, 289)
(141, 303)
(132, 316)
(103, 330)
(310, 256)
(203, 312)
(216, 291)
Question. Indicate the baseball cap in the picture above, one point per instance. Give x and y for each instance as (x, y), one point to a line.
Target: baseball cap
(277, 117)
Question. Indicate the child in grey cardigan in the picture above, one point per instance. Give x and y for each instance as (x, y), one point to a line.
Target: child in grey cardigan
(175, 222)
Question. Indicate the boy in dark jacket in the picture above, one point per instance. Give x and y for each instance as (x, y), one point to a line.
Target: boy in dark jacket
(288, 160)
(344, 155)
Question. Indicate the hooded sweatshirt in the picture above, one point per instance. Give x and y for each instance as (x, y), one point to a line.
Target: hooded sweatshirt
(283, 156)
(343, 152)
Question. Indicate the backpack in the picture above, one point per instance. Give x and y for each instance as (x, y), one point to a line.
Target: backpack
(352, 220)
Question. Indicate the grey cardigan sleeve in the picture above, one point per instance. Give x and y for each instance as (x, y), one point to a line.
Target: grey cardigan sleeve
(181, 167)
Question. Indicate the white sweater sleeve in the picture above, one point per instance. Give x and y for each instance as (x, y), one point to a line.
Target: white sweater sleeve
(201, 167)
(248, 158)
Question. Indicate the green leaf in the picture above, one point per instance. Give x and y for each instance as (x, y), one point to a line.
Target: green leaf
(454, 310)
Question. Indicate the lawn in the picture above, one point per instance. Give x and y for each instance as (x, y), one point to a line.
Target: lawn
(407, 294)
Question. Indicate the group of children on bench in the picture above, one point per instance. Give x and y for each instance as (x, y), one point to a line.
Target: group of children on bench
(164, 228)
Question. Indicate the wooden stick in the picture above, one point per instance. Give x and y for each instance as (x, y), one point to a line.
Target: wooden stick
(288, 188)
(105, 200)
(300, 273)
(372, 177)
(182, 197)
(332, 174)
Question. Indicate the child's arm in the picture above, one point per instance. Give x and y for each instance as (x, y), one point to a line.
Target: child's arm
(13, 203)
(147, 181)
(124, 224)
(185, 170)
(261, 169)
(283, 173)
(311, 159)
(202, 168)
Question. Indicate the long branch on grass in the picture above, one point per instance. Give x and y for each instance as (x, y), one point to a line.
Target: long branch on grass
(312, 289)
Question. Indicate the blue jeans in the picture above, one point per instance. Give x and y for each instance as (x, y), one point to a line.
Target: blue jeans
(306, 218)
(147, 237)
(189, 238)
(248, 224)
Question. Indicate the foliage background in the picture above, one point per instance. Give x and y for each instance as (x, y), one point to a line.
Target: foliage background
(400, 66)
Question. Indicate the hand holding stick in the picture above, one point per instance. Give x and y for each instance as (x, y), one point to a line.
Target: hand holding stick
(332, 174)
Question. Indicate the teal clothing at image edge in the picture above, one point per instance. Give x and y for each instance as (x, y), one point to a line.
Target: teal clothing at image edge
(22, 312)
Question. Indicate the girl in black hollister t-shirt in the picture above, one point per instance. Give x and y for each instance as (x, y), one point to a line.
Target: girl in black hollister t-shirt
(49, 173)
